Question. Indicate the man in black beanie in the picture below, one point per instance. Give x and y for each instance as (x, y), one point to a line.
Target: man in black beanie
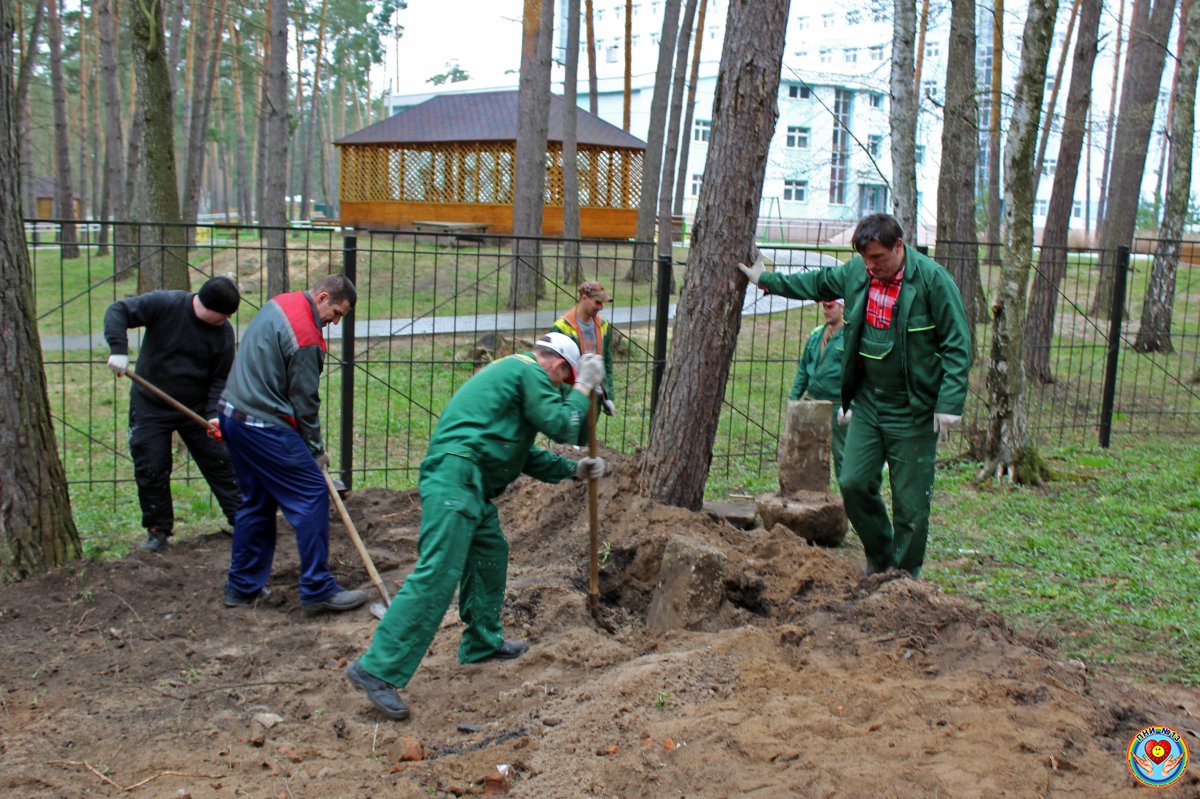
(186, 351)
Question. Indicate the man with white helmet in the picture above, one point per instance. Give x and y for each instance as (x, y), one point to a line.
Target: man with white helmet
(483, 442)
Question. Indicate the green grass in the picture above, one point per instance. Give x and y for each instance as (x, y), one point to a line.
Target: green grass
(1103, 559)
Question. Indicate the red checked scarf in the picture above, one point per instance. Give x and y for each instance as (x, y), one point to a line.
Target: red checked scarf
(881, 299)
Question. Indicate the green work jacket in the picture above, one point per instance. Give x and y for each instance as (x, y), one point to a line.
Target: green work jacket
(494, 418)
(933, 339)
(820, 373)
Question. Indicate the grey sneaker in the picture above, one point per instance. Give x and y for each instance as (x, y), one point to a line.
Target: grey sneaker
(342, 600)
(156, 541)
(382, 694)
(233, 599)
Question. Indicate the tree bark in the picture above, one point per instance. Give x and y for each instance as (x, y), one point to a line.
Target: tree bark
(533, 111)
(1149, 28)
(204, 83)
(1010, 451)
(642, 270)
(1154, 335)
(64, 196)
(1052, 259)
(164, 258)
(114, 142)
(593, 90)
(627, 93)
(994, 116)
(1112, 116)
(957, 242)
(21, 102)
(1052, 103)
(242, 178)
(272, 212)
(38, 531)
(685, 133)
(306, 159)
(903, 115)
(260, 140)
(572, 271)
(667, 183)
(674, 467)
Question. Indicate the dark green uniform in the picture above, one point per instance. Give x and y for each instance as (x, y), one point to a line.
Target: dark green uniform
(897, 378)
(820, 374)
(483, 441)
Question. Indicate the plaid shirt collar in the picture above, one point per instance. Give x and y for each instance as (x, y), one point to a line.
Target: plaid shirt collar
(881, 300)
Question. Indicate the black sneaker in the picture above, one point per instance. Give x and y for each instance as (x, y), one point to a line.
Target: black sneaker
(382, 694)
(156, 541)
(509, 650)
(342, 600)
(234, 599)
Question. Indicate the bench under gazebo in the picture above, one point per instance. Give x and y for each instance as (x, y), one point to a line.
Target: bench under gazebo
(451, 161)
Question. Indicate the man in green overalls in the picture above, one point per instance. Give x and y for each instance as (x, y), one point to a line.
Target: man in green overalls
(820, 372)
(483, 441)
(908, 358)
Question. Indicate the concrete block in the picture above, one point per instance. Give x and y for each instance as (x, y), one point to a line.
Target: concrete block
(804, 447)
(691, 584)
(816, 516)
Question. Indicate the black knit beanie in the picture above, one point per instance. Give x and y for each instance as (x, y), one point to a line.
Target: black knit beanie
(220, 294)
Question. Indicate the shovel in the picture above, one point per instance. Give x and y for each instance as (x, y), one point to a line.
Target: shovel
(593, 597)
(378, 609)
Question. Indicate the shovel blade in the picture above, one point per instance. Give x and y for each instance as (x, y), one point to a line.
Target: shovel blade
(378, 610)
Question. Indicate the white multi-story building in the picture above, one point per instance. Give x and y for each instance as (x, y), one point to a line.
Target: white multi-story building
(830, 159)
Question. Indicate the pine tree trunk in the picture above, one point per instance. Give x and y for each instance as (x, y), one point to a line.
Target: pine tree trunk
(114, 146)
(642, 270)
(1052, 259)
(36, 526)
(533, 112)
(306, 159)
(1052, 104)
(904, 118)
(675, 466)
(1119, 35)
(204, 83)
(1154, 335)
(242, 179)
(993, 162)
(685, 133)
(1009, 449)
(272, 212)
(627, 88)
(572, 270)
(957, 243)
(64, 196)
(260, 138)
(1149, 28)
(593, 91)
(21, 123)
(667, 183)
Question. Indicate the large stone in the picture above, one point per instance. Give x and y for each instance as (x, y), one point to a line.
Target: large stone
(691, 584)
(804, 447)
(815, 516)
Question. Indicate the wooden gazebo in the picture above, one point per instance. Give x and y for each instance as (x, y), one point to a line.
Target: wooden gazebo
(452, 159)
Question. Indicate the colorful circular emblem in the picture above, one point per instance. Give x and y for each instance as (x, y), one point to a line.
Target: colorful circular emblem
(1157, 757)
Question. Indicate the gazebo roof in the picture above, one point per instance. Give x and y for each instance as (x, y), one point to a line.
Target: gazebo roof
(483, 116)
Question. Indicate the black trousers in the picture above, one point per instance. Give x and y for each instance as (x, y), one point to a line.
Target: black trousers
(150, 430)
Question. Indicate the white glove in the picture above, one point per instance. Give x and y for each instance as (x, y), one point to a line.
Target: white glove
(942, 422)
(843, 416)
(590, 372)
(589, 468)
(754, 272)
(609, 408)
(118, 364)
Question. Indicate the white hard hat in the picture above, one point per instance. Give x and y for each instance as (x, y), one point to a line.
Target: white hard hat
(565, 346)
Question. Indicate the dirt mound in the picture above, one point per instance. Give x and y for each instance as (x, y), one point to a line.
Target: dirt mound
(808, 681)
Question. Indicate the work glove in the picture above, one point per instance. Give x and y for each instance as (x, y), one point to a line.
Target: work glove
(322, 460)
(214, 430)
(118, 364)
(942, 422)
(609, 408)
(755, 270)
(843, 416)
(590, 372)
(589, 468)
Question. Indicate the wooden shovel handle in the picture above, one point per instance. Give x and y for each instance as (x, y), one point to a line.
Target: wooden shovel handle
(358, 542)
(593, 507)
(167, 398)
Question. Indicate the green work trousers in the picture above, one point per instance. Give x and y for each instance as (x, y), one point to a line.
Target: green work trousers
(460, 546)
(884, 430)
(837, 440)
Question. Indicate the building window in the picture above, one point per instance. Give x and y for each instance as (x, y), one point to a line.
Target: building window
(1039, 207)
(795, 191)
(879, 14)
(696, 185)
(599, 14)
(611, 52)
(826, 55)
(701, 130)
(875, 144)
(933, 49)
(828, 21)
(798, 138)
(930, 89)
(919, 154)
(801, 54)
(875, 52)
(654, 38)
(853, 17)
(839, 159)
(875, 99)
(802, 23)
(1049, 165)
(1077, 209)
(850, 55)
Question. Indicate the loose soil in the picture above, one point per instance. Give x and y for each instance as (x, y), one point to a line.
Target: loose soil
(129, 678)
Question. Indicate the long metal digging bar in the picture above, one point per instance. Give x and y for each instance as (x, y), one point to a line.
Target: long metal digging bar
(376, 609)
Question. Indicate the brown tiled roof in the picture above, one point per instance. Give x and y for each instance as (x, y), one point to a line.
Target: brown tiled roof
(483, 116)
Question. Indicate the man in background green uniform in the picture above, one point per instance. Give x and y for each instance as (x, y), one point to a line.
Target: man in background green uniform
(820, 373)
(908, 358)
(483, 441)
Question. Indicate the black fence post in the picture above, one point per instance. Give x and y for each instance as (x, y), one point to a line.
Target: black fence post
(350, 270)
(660, 327)
(1116, 318)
